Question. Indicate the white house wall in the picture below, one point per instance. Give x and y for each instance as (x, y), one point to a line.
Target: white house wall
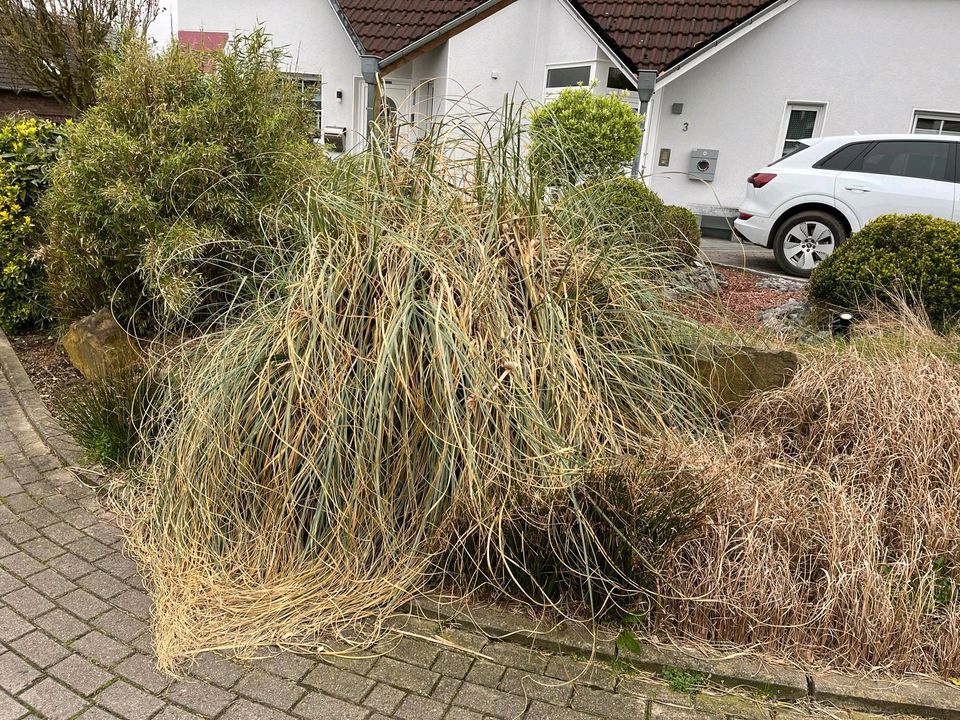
(872, 62)
(506, 54)
(311, 34)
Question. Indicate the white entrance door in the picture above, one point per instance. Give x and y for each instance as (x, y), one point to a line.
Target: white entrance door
(398, 110)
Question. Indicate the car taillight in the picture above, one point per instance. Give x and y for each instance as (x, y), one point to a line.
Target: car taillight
(758, 180)
(745, 216)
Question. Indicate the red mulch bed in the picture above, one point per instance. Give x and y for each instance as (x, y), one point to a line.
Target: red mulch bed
(739, 301)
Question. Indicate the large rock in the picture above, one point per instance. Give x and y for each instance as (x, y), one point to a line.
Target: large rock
(97, 345)
(735, 374)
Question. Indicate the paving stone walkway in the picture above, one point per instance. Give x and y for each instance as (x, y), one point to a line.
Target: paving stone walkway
(75, 639)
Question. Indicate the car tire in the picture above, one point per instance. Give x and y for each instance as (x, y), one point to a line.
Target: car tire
(805, 239)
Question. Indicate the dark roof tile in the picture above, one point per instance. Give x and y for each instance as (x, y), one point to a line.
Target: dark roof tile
(650, 34)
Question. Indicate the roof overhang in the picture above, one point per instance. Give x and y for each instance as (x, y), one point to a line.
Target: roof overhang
(695, 57)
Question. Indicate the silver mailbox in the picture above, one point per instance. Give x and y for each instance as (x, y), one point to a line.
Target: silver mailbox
(703, 164)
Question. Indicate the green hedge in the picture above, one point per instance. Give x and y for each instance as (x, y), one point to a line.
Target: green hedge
(28, 148)
(684, 226)
(916, 257)
(169, 185)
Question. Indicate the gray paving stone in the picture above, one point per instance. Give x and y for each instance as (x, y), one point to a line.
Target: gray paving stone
(88, 548)
(543, 711)
(51, 583)
(452, 664)
(61, 625)
(315, 706)
(101, 649)
(42, 549)
(8, 583)
(246, 710)
(446, 689)
(287, 665)
(662, 711)
(102, 584)
(401, 675)
(71, 566)
(456, 713)
(564, 668)
(200, 697)
(339, 683)
(40, 649)
(415, 652)
(135, 602)
(608, 705)
(216, 669)
(120, 625)
(269, 690)
(516, 656)
(536, 687)
(96, 713)
(15, 673)
(384, 699)
(415, 707)
(28, 602)
(140, 670)
(10, 709)
(82, 604)
(52, 700)
(62, 533)
(490, 702)
(128, 702)
(12, 625)
(81, 675)
(21, 564)
(485, 673)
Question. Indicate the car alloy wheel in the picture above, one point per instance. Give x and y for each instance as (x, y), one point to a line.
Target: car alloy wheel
(806, 240)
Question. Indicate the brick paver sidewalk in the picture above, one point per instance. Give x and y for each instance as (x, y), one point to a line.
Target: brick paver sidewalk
(75, 639)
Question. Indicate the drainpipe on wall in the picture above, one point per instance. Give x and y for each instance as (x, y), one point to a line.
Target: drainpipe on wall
(646, 83)
(370, 69)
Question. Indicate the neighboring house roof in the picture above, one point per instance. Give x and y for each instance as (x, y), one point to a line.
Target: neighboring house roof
(647, 34)
(11, 80)
(385, 26)
(655, 34)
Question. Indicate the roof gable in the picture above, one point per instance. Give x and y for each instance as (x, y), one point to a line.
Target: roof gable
(646, 34)
(655, 34)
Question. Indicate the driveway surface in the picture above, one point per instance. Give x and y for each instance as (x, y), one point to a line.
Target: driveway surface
(75, 639)
(745, 256)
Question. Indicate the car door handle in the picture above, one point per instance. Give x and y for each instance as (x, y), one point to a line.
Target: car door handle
(857, 188)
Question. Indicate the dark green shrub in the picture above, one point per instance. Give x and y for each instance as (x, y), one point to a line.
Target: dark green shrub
(684, 228)
(580, 135)
(111, 417)
(916, 257)
(28, 148)
(160, 205)
(620, 212)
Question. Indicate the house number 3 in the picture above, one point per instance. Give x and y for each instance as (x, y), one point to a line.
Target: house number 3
(686, 126)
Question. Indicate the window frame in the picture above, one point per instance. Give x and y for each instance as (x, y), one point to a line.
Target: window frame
(953, 159)
(937, 115)
(303, 81)
(551, 92)
(819, 107)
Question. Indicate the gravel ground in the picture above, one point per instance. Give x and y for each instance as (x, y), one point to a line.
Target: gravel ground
(739, 300)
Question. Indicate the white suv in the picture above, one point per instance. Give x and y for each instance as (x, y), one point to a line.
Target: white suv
(810, 201)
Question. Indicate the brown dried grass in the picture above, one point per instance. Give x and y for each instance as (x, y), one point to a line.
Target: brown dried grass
(836, 539)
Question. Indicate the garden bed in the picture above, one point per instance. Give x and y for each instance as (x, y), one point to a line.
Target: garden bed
(48, 367)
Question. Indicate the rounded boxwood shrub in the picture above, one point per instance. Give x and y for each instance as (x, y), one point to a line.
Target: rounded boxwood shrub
(582, 136)
(684, 228)
(28, 148)
(623, 212)
(916, 257)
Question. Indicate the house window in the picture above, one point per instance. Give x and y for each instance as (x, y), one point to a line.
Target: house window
(311, 86)
(800, 123)
(616, 80)
(564, 77)
(936, 124)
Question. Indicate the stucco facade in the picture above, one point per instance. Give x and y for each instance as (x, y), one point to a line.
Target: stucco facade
(869, 65)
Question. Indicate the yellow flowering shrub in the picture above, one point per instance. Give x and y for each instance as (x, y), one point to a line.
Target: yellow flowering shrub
(28, 148)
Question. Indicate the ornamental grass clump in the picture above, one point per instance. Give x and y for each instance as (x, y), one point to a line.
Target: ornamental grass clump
(436, 367)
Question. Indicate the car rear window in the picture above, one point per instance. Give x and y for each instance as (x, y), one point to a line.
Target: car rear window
(926, 160)
(842, 159)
